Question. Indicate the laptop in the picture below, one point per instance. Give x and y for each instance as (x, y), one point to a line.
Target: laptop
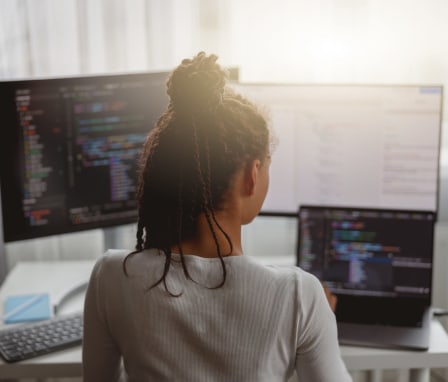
(379, 263)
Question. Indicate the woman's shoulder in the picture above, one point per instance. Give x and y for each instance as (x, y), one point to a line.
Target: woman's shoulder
(285, 273)
(111, 258)
(121, 261)
(108, 262)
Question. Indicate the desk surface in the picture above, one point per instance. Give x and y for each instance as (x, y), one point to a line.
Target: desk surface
(56, 278)
(33, 277)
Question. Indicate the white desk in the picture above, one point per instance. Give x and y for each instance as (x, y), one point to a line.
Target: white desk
(56, 277)
(414, 365)
(53, 277)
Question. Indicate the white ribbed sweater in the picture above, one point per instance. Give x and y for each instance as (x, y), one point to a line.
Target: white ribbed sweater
(263, 325)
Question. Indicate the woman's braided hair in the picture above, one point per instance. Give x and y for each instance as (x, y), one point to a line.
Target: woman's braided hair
(207, 133)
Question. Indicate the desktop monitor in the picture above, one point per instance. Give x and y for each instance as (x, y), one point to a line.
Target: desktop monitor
(69, 149)
(375, 146)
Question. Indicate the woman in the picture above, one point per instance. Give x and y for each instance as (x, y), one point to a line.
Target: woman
(187, 305)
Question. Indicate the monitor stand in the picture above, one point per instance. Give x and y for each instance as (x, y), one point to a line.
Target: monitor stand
(3, 262)
(121, 237)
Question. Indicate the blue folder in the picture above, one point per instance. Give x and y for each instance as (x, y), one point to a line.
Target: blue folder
(29, 307)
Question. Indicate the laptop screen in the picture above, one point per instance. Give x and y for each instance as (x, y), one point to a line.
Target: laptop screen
(368, 252)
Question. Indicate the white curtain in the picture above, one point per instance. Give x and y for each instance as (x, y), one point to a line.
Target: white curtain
(66, 37)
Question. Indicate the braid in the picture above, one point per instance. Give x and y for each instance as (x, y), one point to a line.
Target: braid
(138, 246)
(206, 196)
(166, 268)
(210, 197)
(206, 202)
(213, 215)
(180, 226)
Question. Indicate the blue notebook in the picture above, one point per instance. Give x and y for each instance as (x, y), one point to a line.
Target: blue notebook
(29, 307)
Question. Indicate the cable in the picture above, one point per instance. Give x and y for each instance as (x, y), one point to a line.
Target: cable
(69, 293)
(439, 312)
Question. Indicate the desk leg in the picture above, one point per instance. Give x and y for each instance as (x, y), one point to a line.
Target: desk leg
(375, 375)
(403, 375)
(419, 375)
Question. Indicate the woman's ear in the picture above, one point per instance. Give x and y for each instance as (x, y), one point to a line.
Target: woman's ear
(251, 176)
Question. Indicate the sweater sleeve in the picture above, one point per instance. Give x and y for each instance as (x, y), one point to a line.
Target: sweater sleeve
(100, 354)
(318, 355)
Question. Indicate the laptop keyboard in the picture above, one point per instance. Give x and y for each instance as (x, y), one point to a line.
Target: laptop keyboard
(379, 312)
(30, 340)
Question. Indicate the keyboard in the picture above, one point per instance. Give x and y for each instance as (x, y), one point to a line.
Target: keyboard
(30, 340)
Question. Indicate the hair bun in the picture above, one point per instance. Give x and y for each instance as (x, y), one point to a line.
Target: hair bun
(197, 84)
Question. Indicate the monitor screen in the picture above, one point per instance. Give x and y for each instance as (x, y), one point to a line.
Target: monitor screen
(69, 149)
(368, 252)
(352, 145)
